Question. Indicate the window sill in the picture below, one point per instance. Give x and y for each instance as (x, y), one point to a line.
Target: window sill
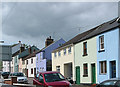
(84, 54)
(102, 73)
(101, 51)
(85, 75)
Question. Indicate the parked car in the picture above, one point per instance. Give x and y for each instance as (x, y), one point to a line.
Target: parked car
(5, 74)
(110, 83)
(51, 79)
(21, 78)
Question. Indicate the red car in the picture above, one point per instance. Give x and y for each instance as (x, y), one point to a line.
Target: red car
(51, 79)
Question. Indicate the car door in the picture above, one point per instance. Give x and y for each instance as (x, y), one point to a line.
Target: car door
(40, 81)
(36, 81)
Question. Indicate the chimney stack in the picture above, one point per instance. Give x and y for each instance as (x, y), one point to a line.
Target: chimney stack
(22, 47)
(48, 41)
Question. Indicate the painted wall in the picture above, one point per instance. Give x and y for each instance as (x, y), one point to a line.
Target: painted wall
(40, 62)
(16, 62)
(24, 66)
(31, 65)
(6, 66)
(63, 59)
(111, 44)
(89, 59)
(20, 65)
(46, 54)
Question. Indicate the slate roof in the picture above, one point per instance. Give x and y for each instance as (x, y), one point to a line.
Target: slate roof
(26, 52)
(29, 56)
(107, 26)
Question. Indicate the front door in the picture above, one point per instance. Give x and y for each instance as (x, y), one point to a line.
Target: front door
(34, 71)
(113, 69)
(93, 72)
(77, 75)
(27, 73)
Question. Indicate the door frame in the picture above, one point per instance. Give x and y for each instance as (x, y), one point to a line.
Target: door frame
(111, 69)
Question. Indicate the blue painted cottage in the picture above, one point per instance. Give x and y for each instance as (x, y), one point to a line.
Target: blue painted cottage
(108, 50)
(43, 60)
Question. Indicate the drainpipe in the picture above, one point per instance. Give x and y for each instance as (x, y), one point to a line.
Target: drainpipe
(74, 63)
(118, 53)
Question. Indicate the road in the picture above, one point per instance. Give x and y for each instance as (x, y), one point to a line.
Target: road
(30, 80)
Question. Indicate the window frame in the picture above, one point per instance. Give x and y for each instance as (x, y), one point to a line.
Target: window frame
(55, 54)
(31, 60)
(69, 50)
(85, 48)
(85, 70)
(101, 38)
(59, 53)
(103, 67)
(64, 51)
(27, 62)
(31, 70)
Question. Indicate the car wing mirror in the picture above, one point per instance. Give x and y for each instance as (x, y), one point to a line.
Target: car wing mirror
(41, 81)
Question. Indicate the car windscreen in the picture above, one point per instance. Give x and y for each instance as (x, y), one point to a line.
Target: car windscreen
(52, 77)
(18, 74)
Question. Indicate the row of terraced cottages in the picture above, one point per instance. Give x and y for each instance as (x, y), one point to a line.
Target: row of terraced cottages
(31, 60)
(92, 56)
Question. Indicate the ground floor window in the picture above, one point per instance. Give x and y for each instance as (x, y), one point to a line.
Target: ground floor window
(103, 67)
(31, 70)
(58, 68)
(85, 70)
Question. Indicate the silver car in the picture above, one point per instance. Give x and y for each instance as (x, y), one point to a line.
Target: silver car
(21, 78)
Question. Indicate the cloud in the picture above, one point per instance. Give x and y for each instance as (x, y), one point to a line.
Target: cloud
(32, 22)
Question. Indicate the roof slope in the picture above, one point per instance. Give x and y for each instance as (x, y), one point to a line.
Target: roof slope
(110, 25)
(107, 26)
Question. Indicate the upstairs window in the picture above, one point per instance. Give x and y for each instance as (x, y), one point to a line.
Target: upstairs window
(59, 53)
(65, 51)
(69, 50)
(85, 48)
(101, 44)
(55, 54)
(31, 61)
(27, 61)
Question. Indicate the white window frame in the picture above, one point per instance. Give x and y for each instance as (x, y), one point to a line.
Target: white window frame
(65, 51)
(101, 43)
(104, 72)
(55, 54)
(69, 50)
(59, 53)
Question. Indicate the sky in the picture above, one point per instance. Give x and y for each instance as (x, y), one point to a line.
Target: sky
(32, 22)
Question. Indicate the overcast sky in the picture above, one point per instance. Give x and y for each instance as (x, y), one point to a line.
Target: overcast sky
(32, 23)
